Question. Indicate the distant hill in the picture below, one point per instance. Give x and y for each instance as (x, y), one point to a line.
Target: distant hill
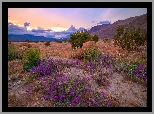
(108, 31)
(21, 38)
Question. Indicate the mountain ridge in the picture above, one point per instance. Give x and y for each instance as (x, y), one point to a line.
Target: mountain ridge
(110, 30)
(21, 38)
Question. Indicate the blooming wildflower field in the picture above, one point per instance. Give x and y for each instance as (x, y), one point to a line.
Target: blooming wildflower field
(117, 78)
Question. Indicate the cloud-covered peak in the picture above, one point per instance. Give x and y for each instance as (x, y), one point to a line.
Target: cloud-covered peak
(104, 22)
(72, 28)
(81, 28)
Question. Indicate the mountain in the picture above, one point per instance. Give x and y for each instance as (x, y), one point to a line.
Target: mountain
(97, 28)
(109, 31)
(21, 38)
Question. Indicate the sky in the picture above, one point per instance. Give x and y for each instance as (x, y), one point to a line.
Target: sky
(59, 22)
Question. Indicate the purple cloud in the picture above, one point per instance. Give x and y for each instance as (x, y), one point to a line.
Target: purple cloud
(26, 24)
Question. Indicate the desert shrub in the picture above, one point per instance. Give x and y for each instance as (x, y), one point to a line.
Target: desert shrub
(95, 38)
(29, 46)
(78, 38)
(106, 61)
(47, 43)
(129, 38)
(91, 53)
(31, 58)
(27, 40)
(72, 55)
(107, 40)
(135, 70)
(13, 53)
(66, 40)
(58, 41)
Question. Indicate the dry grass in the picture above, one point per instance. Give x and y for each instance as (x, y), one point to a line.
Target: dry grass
(64, 50)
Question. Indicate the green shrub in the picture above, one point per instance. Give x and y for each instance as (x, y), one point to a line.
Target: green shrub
(95, 38)
(66, 40)
(13, 53)
(27, 40)
(78, 38)
(58, 41)
(107, 40)
(47, 43)
(129, 38)
(31, 58)
(91, 54)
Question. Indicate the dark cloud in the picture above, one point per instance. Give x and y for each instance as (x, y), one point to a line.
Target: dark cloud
(12, 27)
(104, 22)
(15, 29)
(26, 24)
(40, 30)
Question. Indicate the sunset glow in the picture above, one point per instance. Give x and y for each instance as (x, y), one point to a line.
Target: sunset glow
(48, 21)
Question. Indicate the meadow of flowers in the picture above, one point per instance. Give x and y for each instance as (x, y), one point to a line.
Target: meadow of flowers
(67, 90)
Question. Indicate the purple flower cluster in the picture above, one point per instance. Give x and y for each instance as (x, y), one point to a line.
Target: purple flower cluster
(28, 89)
(46, 67)
(63, 88)
(141, 72)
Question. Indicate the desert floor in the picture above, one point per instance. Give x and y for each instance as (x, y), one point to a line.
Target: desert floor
(122, 91)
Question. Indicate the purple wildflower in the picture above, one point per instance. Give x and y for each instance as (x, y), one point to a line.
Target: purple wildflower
(140, 75)
(28, 90)
(61, 75)
(60, 97)
(77, 83)
(46, 97)
(51, 95)
(33, 71)
(56, 97)
(102, 79)
(108, 102)
(89, 103)
(107, 85)
(56, 74)
(145, 78)
(109, 65)
(76, 99)
(137, 70)
(141, 66)
(66, 78)
(72, 91)
(45, 73)
(42, 78)
(94, 101)
(114, 59)
(118, 69)
(111, 73)
(72, 104)
(89, 89)
(102, 92)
